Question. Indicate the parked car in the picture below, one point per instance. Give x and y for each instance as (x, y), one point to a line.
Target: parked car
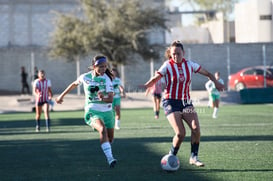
(251, 77)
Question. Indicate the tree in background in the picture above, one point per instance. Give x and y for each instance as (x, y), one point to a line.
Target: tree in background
(117, 29)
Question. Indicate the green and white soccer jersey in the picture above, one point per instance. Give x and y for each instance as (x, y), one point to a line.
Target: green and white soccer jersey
(94, 107)
(214, 93)
(116, 83)
(92, 85)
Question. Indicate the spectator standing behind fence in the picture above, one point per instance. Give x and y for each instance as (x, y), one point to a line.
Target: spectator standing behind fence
(24, 82)
(43, 94)
(214, 94)
(35, 73)
(178, 107)
(118, 92)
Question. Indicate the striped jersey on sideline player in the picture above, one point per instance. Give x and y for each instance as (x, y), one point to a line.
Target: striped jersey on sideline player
(42, 87)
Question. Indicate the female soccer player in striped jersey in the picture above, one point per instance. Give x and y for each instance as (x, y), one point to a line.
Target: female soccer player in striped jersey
(177, 104)
(43, 94)
(99, 93)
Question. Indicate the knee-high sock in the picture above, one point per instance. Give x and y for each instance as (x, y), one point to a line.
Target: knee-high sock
(106, 148)
(194, 149)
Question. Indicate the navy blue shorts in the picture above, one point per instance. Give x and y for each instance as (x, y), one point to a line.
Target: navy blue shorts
(174, 105)
(157, 95)
(41, 103)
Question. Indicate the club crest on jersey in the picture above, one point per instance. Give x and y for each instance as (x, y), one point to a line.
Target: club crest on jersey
(181, 78)
(101, 82)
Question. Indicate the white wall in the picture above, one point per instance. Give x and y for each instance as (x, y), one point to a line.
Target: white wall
(248, 25)
(216, 28)
(189, 34)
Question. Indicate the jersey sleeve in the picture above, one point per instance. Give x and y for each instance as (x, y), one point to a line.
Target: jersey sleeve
(163, 69)
(121, 83)
(49, 83)
(35, 83)
(196, 67)
(80, 79)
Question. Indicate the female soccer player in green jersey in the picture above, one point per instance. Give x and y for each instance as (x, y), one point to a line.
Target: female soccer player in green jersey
(99, 93)
(118, 90)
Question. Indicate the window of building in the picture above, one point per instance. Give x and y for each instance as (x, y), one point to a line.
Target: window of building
(265, 17)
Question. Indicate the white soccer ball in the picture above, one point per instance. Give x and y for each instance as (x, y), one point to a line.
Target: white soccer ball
(170, 162)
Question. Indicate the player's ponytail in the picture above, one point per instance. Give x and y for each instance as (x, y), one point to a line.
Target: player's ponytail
(109, 73)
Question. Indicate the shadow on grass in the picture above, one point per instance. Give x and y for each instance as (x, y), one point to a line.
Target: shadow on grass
(67, 159)
(7, 127)
(82, 160)
(56, 156)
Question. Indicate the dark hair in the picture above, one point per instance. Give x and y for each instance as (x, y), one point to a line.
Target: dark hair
(177, 43)
(107, 71)
(42, 71)
(116, 71)
(97, 57)
(110, 75)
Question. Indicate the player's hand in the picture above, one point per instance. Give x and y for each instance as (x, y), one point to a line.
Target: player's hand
(59, 100)
(219, 86)
(100, 95)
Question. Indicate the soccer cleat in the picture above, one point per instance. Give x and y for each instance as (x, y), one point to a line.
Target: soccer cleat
(47, 130)
(117, 125)
(37, 129)
(194, 161)
(112, 163)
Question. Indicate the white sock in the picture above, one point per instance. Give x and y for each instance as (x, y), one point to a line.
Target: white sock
(215, 111)
(106, 148)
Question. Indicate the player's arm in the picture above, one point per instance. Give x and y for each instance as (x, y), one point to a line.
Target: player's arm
(152, 81)
(109, 91)
(35, 90)
(108, 98)
(50, 93)
(206, 73)
(122, 91)
(72, 86)
(147, 91)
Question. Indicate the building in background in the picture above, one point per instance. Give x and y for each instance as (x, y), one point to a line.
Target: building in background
(25, 33)
(29, 22)
(253, 21)
(252, 24)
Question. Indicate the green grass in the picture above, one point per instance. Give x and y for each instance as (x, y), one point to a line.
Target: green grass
(236, 146)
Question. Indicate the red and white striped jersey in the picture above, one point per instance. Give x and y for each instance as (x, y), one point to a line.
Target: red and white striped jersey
(178, 78)
(41, 88)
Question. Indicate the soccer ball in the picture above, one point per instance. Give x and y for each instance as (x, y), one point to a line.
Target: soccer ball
(170, 162)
